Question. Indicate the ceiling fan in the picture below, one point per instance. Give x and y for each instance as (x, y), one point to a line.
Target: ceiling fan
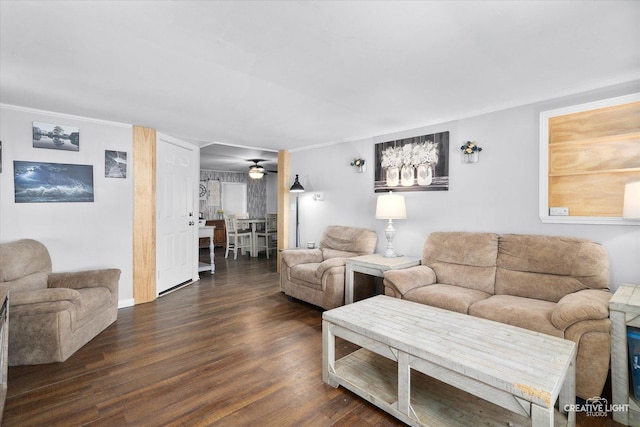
(256, 171)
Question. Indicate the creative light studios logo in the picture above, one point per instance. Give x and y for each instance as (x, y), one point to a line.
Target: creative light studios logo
(596, 407)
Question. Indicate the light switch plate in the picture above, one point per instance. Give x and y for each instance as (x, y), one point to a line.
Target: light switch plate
(559, 211)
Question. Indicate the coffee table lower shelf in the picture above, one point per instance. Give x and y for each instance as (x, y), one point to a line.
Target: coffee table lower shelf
(434, 403)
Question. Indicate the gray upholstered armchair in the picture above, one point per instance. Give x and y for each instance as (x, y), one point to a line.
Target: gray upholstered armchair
(52, 315)
(316, 275)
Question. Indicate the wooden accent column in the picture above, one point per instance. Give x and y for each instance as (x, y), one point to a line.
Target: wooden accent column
(144, 214)
(283, 201)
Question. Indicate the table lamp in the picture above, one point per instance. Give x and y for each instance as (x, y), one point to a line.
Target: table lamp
(390, 206)
(631, 204)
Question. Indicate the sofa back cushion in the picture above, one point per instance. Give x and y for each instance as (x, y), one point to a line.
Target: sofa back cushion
(463, 259)
(549, 267)
(24, 265)
(340, 239)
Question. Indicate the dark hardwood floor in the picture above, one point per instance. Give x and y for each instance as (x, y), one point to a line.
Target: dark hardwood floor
(230, 350)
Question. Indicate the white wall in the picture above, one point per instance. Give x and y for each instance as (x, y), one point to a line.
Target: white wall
(78, 236)
(498, 194)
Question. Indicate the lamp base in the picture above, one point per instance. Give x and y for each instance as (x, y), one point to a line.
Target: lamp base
(391, 254)
(390, 233)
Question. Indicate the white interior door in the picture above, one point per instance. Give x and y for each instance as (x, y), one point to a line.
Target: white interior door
(176, 224)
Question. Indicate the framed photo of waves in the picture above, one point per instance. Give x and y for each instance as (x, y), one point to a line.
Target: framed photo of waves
(39, 182)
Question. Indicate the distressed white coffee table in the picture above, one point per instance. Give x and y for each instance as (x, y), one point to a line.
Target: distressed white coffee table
(523, 371)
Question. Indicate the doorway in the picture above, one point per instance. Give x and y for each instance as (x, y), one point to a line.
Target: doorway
(176, 252)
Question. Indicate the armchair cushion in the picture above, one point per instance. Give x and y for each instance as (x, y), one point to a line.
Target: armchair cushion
(24, 265)
(328, 253)
(302, 256)
(44, 295)
(306, 275)
(349, 239)
(329, 263)
(22, 258)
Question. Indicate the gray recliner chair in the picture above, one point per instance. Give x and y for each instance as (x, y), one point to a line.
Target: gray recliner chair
(52, 315)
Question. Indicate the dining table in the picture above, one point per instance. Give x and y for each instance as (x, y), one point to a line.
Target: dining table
(252, 223)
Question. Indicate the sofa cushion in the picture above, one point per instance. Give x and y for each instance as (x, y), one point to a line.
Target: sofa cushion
(526, 313)
(463, 259)
(559, 266)
(548, 287)
(408, 278)
(449, 297)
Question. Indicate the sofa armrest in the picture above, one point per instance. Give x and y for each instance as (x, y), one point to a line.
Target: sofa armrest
(329, 263)
(588, 304)
(402, 281)
(107, 278)
(301, 256)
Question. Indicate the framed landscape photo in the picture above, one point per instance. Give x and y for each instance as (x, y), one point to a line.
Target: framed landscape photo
(57, 137)
(39, 182)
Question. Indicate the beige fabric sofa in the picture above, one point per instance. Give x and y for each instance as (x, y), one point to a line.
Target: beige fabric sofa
(316, 275)
(52, 315)
(554, 285)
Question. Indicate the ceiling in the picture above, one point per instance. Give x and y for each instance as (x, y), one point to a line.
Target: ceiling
(272, 75)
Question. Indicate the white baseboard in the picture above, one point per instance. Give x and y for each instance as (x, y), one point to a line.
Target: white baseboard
(126, 303)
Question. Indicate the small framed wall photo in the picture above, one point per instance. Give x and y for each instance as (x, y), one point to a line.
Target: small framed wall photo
(115, 164)
(57, 137)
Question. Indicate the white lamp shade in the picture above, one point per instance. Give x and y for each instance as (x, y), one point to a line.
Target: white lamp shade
(391, 206)
(631, 207)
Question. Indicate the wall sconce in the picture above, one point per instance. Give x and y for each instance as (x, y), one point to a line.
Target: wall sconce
(470, 152)
(359, 165)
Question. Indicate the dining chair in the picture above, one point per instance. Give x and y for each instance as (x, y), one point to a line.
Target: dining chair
(236, 238)
(270, 234)
(243, 225)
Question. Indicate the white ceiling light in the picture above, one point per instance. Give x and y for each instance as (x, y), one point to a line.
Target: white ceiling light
(256, 171)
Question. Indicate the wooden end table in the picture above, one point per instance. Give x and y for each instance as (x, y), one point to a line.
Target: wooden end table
(624, 310)
(373, 265)
(207, 232)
